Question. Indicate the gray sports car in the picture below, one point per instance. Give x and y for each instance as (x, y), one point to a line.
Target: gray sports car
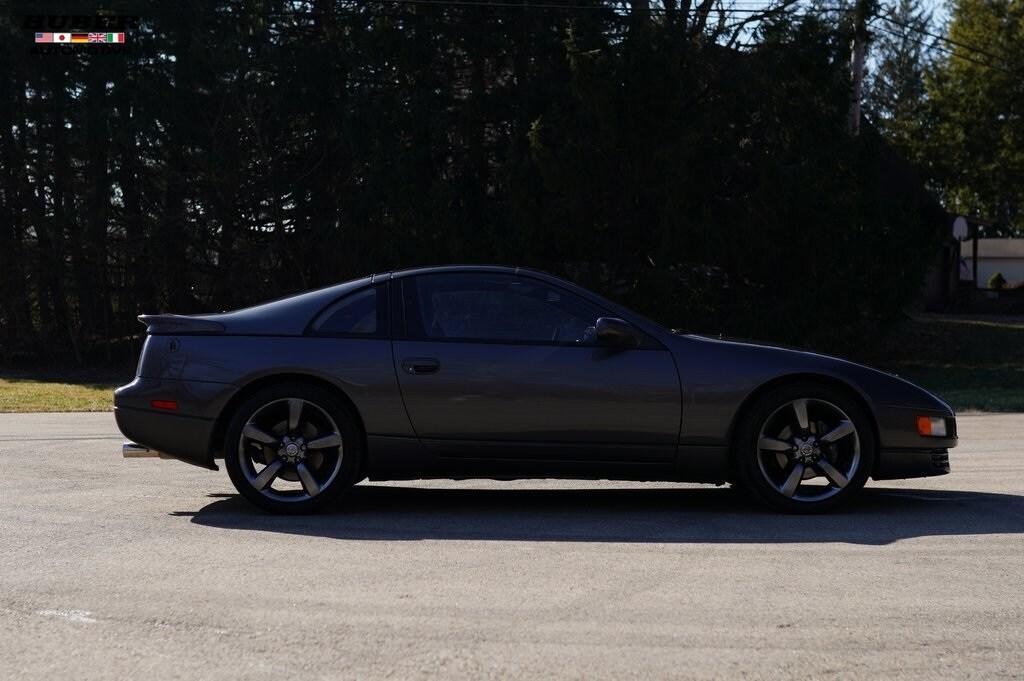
(501, 372)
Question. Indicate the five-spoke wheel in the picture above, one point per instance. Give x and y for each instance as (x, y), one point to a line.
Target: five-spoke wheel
(804, 447)
(290, 447)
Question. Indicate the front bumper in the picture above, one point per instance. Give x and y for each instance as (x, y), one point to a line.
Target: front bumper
(905, 453)
(897, 429)
(911, 463)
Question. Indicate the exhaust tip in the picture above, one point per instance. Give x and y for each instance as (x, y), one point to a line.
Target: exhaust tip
(131, 450)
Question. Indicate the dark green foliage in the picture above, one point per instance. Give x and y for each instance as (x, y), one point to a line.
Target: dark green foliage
(244, 151)
(740, 162)
(997, 281)
(951, 99)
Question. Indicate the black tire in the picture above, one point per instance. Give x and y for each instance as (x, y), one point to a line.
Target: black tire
(838, 468)
(328, 470)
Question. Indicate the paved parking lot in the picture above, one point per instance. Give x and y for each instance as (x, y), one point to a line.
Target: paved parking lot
(148, 569)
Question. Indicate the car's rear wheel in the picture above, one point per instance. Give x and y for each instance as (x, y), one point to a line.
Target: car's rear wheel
(292, 448)
(805, 448)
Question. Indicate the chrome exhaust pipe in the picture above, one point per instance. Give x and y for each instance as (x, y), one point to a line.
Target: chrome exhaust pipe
(131, 450)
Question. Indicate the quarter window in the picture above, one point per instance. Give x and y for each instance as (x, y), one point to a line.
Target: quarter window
(353, 315)
(499, 308)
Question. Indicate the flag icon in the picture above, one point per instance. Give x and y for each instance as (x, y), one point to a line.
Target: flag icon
(80, 37)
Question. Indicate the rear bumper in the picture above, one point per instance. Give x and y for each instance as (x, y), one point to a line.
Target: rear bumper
(911, 463)
(179, 437)
(184, 434)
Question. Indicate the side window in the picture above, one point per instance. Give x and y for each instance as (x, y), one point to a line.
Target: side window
(499, 308)
(354, 315)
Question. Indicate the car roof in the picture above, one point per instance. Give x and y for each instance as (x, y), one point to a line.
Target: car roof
(291, 315)
(449, 269)
(648, 325)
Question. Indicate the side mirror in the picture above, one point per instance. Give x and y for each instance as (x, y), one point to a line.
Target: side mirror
(616, 332)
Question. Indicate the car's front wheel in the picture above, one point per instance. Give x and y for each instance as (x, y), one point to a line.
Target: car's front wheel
(292, 448)
(805, 448)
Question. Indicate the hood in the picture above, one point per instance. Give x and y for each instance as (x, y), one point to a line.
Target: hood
(767, 362)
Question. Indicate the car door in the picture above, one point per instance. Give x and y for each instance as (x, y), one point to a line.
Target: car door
(496, 365)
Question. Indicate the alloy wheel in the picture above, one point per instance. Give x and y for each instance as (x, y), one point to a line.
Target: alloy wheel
(808, 450)
(290, 450)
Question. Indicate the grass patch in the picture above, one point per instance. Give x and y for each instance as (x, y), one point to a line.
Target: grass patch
(976, 363)
(971, 389)
(23, 392)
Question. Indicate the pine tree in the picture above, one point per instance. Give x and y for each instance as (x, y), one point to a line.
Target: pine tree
(896, 92)
(975, 126)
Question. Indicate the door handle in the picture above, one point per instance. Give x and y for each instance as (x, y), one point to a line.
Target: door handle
(420, 365)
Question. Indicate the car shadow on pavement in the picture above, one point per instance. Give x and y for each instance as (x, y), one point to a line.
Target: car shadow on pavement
(673, 515)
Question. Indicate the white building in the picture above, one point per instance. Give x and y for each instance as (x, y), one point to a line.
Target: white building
(994, 255)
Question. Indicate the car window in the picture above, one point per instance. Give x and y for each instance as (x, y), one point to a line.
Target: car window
(355, 314)
(499, 307)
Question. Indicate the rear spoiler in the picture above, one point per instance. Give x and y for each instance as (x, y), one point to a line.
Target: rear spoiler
(157, 324)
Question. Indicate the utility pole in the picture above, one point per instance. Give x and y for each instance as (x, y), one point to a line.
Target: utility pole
(862, 9)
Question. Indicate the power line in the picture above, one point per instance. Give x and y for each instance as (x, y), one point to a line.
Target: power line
(946, 39)
(944, 50)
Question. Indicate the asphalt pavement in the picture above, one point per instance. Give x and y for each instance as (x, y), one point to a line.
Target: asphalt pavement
(149, 569)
